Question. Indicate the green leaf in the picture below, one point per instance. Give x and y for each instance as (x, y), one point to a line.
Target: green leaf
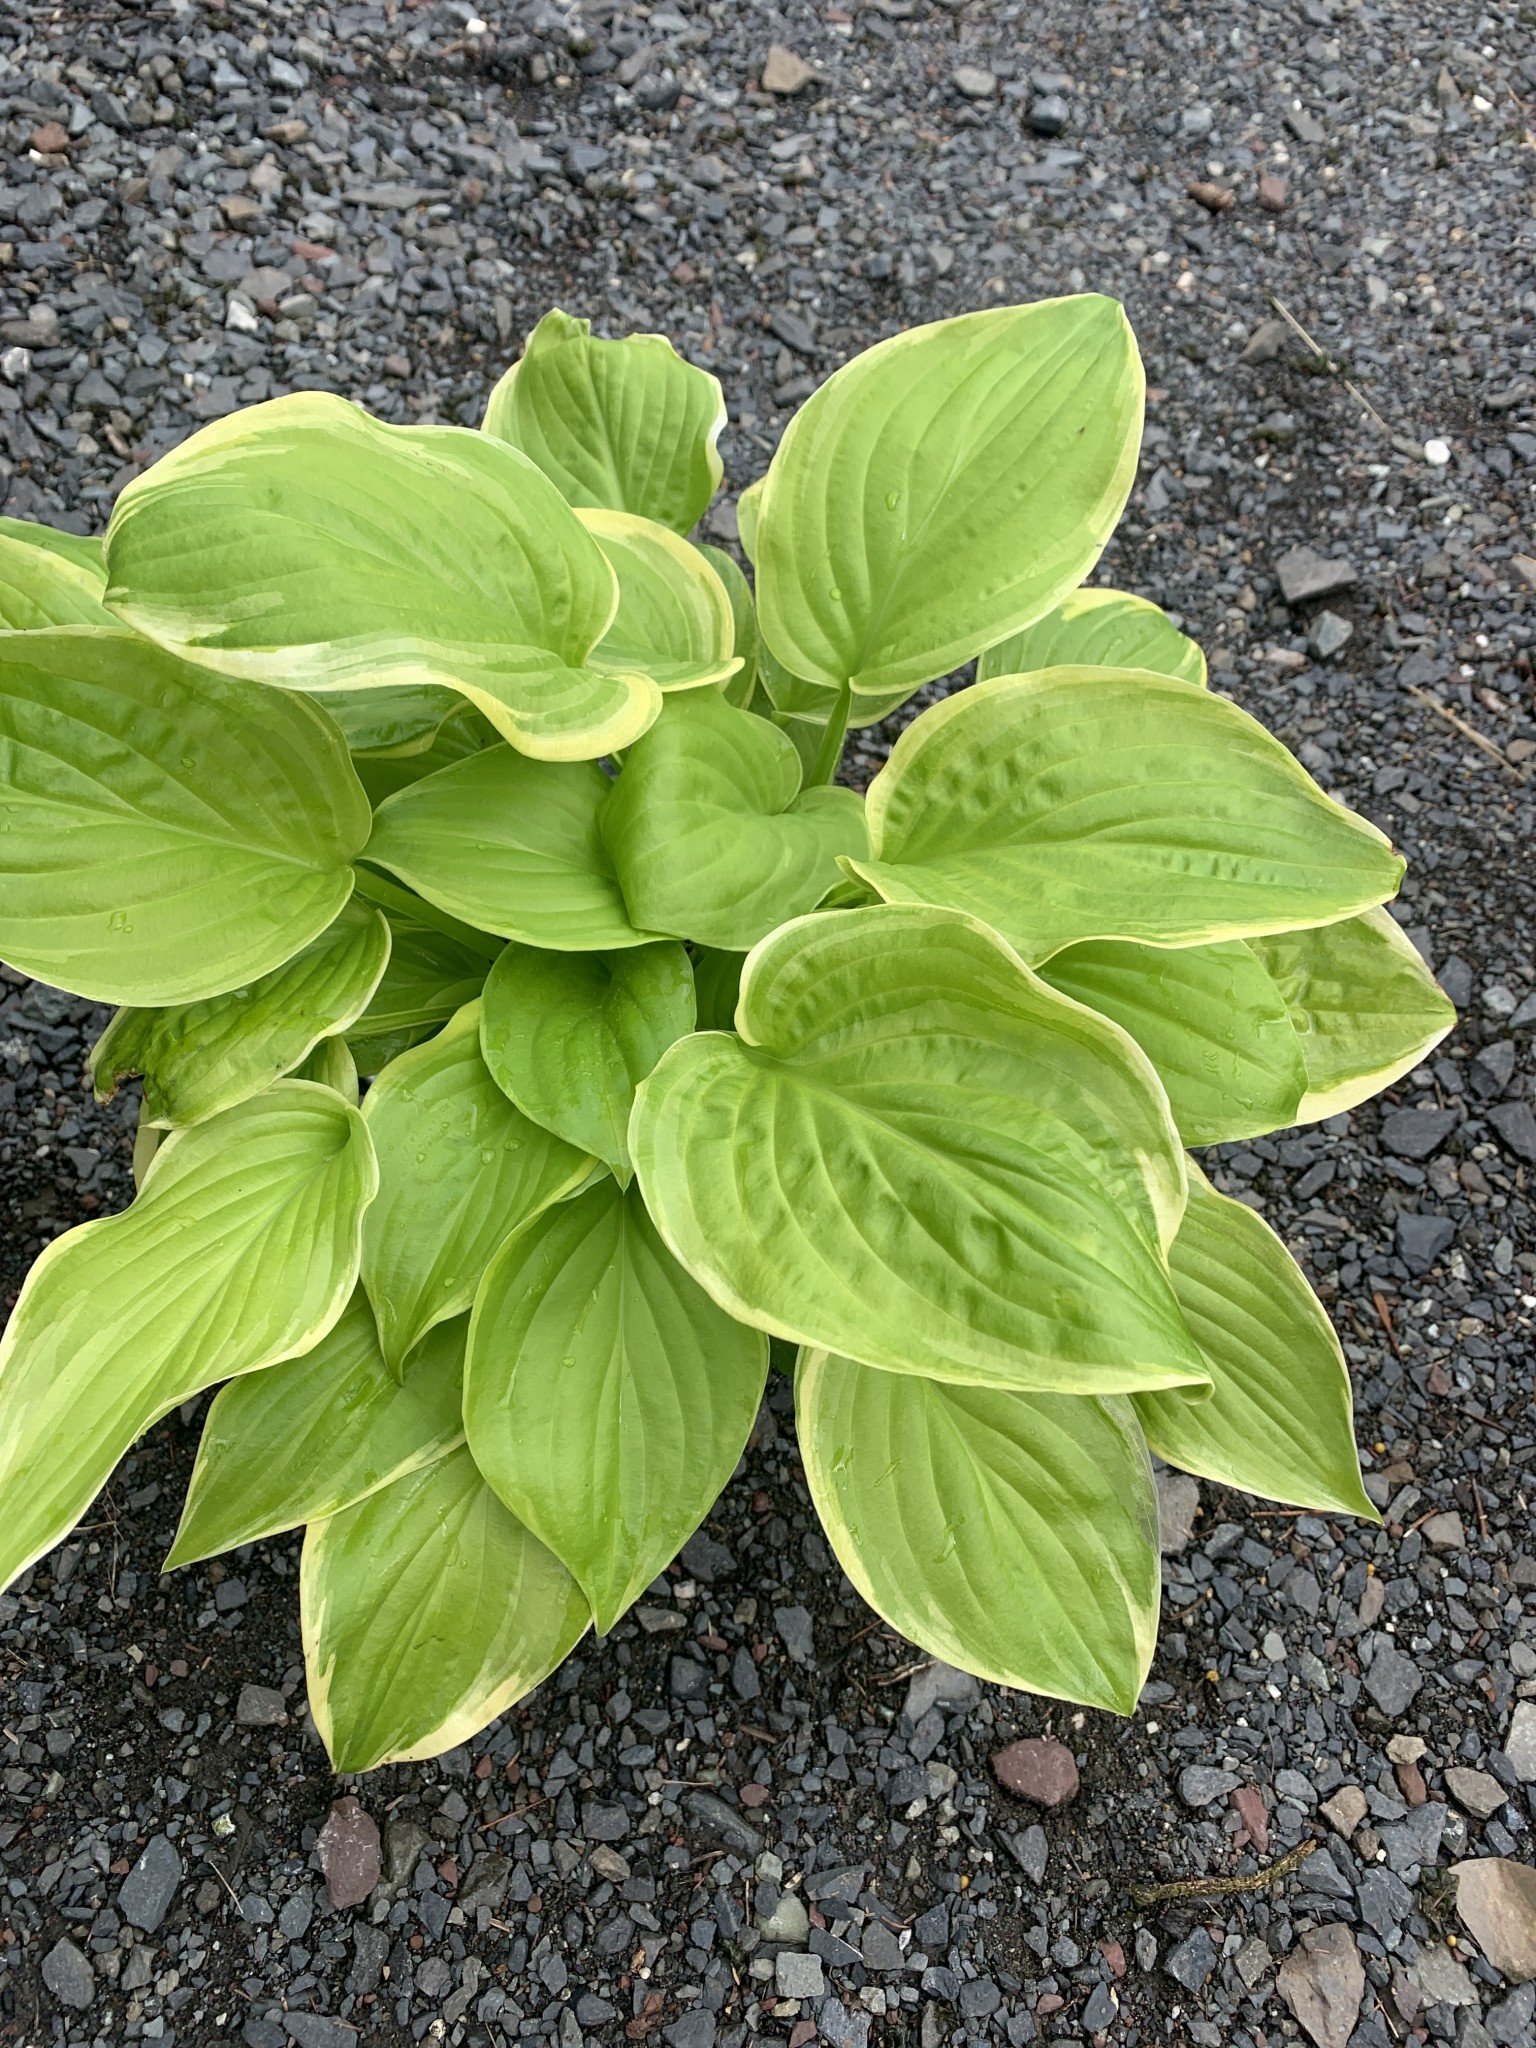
(946, 488)
(199, 1058)
(1090, 803)
(626, 424)
(1278, 1418)
(511, 846)
(1210, 1020)
(427, 1612)
(674, 622)
(41, 585)
(240, 1251)
(1365, 1007)
(738, 688)
(923, 1157)
(331, 1065)
(430, 976)
(1013, 1535)
(716, 986)
(606, 1397)
(165, 834)
(302, 543)
(85, 552)
(1097, 629)
(396, 718)
(382, 775)
(748, 507)
(709, 833)
(569, 1036)
(459, 1169)
(318, 1434)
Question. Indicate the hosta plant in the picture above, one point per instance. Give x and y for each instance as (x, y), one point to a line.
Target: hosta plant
(444, 758)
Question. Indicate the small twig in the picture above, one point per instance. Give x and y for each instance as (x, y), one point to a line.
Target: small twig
(223, 1880)
(1482, 1519)
(1201, 1887)
(1333, 368)
(904, 1671)
(1468, 732)
(1385, 1314)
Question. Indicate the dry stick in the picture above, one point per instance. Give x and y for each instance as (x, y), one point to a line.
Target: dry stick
(1333, 368)
(1200, 1887)
(1468, 732)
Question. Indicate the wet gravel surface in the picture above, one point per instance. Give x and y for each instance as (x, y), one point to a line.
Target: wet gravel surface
(753, 1813)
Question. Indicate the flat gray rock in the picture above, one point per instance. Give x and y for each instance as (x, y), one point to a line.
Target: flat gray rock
(1520, 1742)
(69, 1976)
(150, 1886)
(1392, 1679)
(1305, 575)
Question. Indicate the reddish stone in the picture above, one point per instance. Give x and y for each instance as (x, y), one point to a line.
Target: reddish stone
(50, 139)
(1273, 192)
(1039, 1770)
(1248, 1803)
(754, 1795)
(1114, 1955)
(349, 1853)
(1411, 1783)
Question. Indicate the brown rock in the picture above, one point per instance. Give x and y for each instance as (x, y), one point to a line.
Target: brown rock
(1273, 192)
(1248, 1801)
(1322, 1980)
(1496, 1903)
(1039, 1770)
(785, 73)
(1479, 1793)
(1214, 198)
(1346, 1809)
(349, 1853)
(50, 139)
(1411, 1783)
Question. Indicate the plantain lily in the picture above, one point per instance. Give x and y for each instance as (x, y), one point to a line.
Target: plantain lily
(447, 758)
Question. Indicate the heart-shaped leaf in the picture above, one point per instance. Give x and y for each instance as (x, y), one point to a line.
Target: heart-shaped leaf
(240, 1251)
(1278, 1417)
(674, 621)
(459, 1169)
(1097, 629)
(1086, 803)
(302, 543)
(474, 1610)
(627, 424)
(394, 718)
(945, 488)
(165, 834)
(606, 1397)
(1209, 1019)
(511, 846)
(45, 584)
(429, 978)
(709, 833)
(738, 688)
(1013, 1535)
(920, 1154)
(569, 1036)
(1365, 1007)
(319, 1433)
(199, 1058)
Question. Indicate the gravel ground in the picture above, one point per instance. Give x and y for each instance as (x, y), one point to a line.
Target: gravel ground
(752, 1812)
